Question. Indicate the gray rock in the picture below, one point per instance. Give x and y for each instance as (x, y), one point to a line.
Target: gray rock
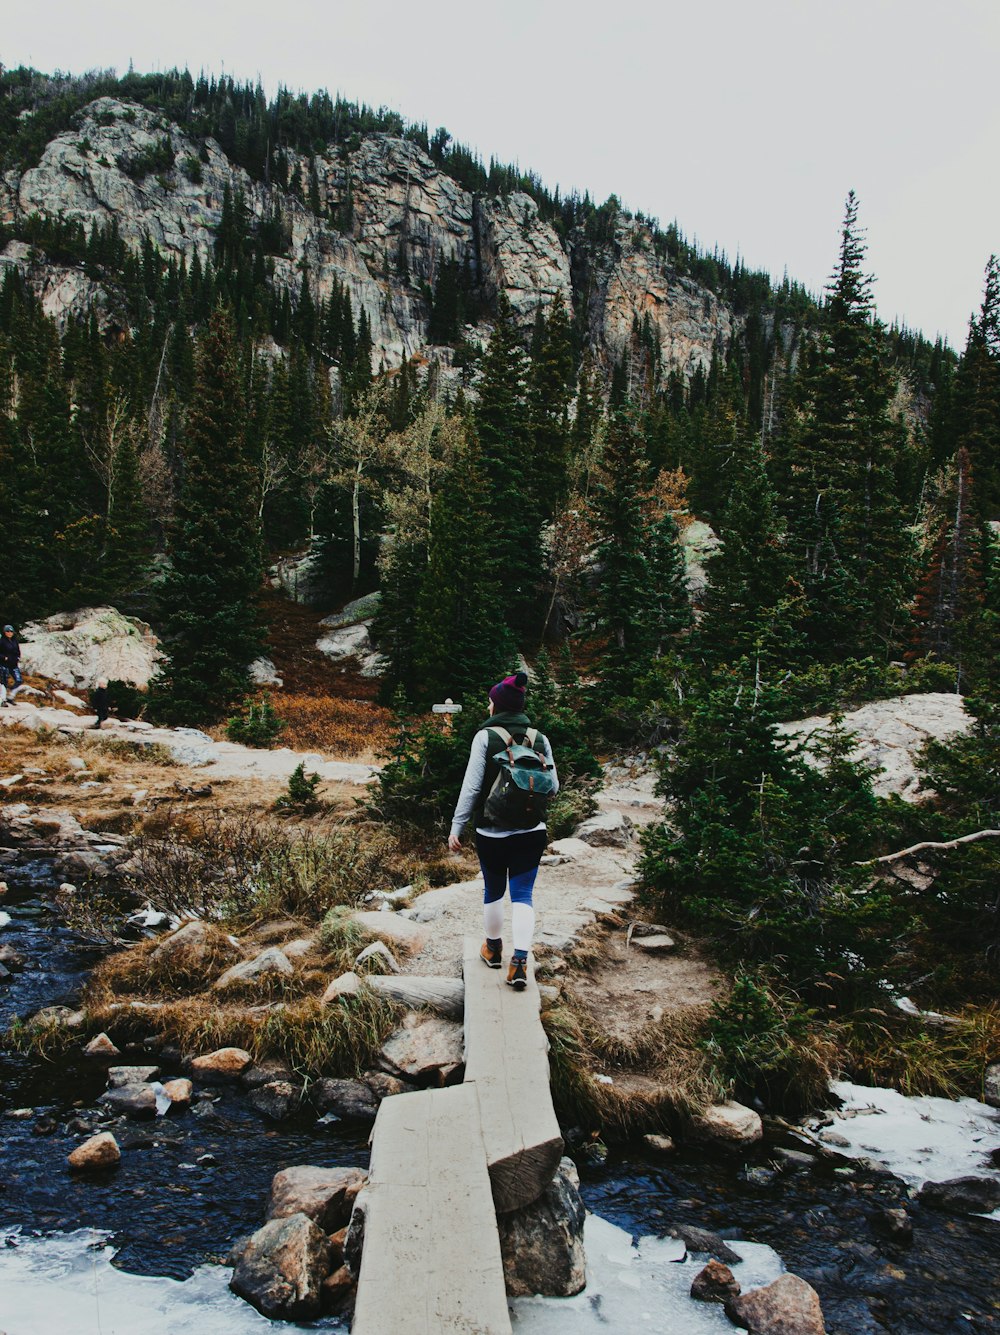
(426, 1048)
(120, 1076)
(377, 957)
(962, 1195)
(276, 1100)
(609, 829)
(101, 1046)
(137, 1101)
(715, 1284)
(191, 945)
(262, 1073)
(789, 1306)
(991, 1085)
(660, 1144)
(731, 1124)
(325, 1195)
(10, 959)
(353, 1100)
(701, 1240)
(271, 961)
(281, 1268)
(542, 1243)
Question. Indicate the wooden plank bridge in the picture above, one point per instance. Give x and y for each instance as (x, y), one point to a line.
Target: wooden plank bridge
(444, 1162)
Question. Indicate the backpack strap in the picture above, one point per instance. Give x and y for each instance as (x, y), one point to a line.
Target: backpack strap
(505, 737)
(531, 739)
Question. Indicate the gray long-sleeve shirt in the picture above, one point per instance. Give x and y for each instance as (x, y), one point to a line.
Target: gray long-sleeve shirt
(475, 771)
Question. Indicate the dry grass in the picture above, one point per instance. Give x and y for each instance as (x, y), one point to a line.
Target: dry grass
(352, 729)
(882, 1049)
(136, 972)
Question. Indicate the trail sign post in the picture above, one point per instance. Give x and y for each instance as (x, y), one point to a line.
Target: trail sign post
(447, 709)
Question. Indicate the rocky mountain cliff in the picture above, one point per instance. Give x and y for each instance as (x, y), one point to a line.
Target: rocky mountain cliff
(382, 218)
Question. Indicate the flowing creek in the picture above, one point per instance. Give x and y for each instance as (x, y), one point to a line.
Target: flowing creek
(140, 1249)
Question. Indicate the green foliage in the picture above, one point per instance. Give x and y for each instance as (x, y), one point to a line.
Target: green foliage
(258, 724)
(300, 794)
(126, 700)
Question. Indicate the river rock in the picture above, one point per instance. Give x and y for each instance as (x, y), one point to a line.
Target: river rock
(378, 958)
(788, 1306)
(383, 1085)
(281, 1268)
(730, 1124)
(715, 1284)
(137, 1101)
(962, 1195)
(542, 1243)
(346, 985)
(271, 961)
(353, 1100)
(97, 1153)
(262, 1073)
(190, 946)
(276, 1100)
(325, 1195)
(101, 1046)
(609, 829)
(701, 1240)
(660, 1144)
(216, 1068)
(426, 1048)
(120, 1076)
(59, 1017)
(178, 1091)
(991, 1085)
(337, 1289)
(10, 959)
(895, 1224)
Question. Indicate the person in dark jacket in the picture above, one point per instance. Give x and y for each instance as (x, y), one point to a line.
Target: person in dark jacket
(10, 658)
(99, 699)
(504, 855)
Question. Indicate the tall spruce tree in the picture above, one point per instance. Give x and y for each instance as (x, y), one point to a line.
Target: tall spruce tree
(847, 526)
(210, 624)
(975, 396)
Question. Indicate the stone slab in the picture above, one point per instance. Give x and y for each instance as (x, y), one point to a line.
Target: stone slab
(431, 1261)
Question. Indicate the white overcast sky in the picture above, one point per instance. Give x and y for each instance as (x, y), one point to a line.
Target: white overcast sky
(746, 120)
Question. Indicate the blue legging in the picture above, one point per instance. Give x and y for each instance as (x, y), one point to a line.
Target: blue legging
(513, 859)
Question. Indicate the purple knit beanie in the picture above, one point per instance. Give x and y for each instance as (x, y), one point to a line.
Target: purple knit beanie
(508, 695)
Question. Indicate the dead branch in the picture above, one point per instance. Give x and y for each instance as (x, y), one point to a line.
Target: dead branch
(932, 846)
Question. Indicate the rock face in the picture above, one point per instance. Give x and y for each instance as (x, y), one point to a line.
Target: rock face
(76, 648)
(891, 734)
(97, 1153)
(542, 1243)
(789, 1306)
(281, 1269)
(324, 1195)
(409, 218)
(962, 1195)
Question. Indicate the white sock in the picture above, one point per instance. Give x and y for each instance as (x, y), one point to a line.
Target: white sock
(493, 919)
(522, 925)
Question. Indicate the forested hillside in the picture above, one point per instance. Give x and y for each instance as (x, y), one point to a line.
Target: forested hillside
(232, 328)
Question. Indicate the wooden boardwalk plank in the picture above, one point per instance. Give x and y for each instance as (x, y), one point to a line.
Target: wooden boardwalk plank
(431, 1261)
(507, 1058)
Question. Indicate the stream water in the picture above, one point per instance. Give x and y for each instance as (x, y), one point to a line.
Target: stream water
(108, 1254)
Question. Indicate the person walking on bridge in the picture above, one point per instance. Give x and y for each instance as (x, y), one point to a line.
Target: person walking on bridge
(509, 779)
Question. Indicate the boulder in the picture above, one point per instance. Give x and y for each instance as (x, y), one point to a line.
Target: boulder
(77, 648)
(138, 1101)
(715, 1284)
(542, 1243)
(300, 947)
(444, 995)
(608, 829)
(346, 985)
(262, 1073)
(426, 1048)
(962, 1195)
(383, 1085)
(376, 958)
(271, 961)
(97, 1153)
(352, 1100)
(216, 1068)
(730, 1124)
(276, 1100)
(392, 927)
(991, 1085)
(120, 1076)
(281, 1268)
(101, 1046)
(660, 1144)
(702, 1240)
(178, 1091)
(788, 1306)
(324, 1195)
(262, 672)
(190, 946)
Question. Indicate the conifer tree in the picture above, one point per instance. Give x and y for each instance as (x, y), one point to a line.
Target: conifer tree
(975, 396)
(550, 389)
(211, 628)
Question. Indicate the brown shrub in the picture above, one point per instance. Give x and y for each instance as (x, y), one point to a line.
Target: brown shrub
(360, 729)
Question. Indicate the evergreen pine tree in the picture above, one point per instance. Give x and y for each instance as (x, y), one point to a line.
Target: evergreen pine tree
(210, 624)
(975, 396)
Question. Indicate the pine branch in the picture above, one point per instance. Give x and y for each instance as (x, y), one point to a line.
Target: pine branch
(939, 847)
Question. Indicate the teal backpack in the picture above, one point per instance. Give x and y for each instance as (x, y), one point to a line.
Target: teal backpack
(524, 788)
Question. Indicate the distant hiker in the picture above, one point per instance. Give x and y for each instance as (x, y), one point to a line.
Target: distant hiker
(10, 657)
(508, 783)
(99, 699)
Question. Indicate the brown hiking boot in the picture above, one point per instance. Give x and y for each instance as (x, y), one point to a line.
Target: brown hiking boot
(517, 974)
(490, 957)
